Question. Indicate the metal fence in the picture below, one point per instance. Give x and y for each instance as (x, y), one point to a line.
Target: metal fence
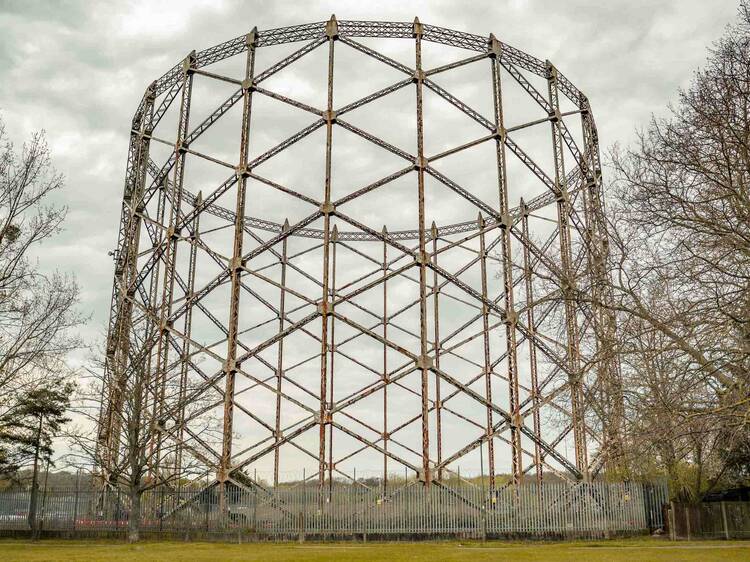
(711, 520)
(352, 510)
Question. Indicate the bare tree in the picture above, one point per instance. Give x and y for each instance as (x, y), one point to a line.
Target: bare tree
(37, 308)
(149, 452)
(670, 417)
(680, 225)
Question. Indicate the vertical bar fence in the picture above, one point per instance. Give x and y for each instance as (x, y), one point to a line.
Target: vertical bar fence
(296, 511)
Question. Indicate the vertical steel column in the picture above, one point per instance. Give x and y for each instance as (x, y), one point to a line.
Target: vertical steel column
(154, 354)
(332, 351)
(230, 367)
(280, 357)
(153, 303)
(118, 345)
(154, 281)
(487, 360)
(568, 280)
(332, 31)
(531, 324)
(436, 320)
(425, 362)
(188, 328)
(385, 361)
(495, 53)
(605, 324)
(170, 263)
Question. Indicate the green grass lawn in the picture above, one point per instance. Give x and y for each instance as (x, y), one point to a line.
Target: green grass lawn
(634, 550)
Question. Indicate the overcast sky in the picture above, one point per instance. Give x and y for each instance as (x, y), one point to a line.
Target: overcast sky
(78, 70)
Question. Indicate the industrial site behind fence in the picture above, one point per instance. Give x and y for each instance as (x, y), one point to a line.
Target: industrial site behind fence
(299, 512)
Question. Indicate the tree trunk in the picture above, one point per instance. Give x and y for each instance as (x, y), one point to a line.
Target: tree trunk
(32, 509)
(35, 484)
(134, 519)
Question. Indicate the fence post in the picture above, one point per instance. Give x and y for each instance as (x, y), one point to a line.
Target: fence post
(207, 501)
(367, 513)
(484, 501)
(672, 518)
(724, 520)
(255, 510)
(119, 511)
(75, 507)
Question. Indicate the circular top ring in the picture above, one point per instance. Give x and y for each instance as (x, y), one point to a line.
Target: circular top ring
(320, 31)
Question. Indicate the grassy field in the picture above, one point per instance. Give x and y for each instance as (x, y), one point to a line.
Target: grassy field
(626, 550)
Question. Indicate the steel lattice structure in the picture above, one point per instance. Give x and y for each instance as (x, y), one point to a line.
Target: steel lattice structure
(415, 342)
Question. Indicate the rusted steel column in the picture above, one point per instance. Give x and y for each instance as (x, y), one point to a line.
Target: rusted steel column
(235, 267)
(385, 361)
(126, 260)
(153, 356)
(170, 263)
(436, 321)
(531, 324)
(195, 228)
(151, 360)
(487, 359)
(568, 280)
(332, 351)
(327, 209)
(605, 324)
(495, 53)
(424, 362)
(280, 357)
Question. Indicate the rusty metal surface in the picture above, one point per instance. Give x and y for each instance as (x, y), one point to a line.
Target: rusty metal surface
(481, 345)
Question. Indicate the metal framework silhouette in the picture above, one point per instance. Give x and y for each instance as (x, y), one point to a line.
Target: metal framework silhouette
(332, 339)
